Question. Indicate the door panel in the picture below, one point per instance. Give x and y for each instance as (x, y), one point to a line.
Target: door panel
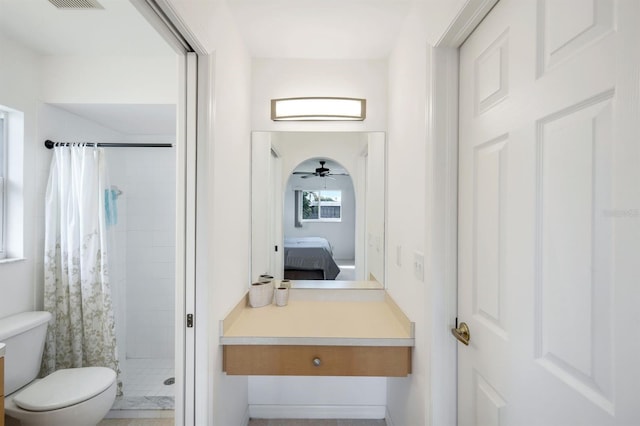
(492, 74)
(549, 212)
(490, 163)
(488, 402)
(565, 27)
(574, 248)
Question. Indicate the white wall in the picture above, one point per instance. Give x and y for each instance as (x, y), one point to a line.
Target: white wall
(435, 17)
(19, 90)
(110, 79)
(145, 247)
(341, 235)
(229, 228)
(408, 67)
(317, 397)
(286, 78)
(410, 184)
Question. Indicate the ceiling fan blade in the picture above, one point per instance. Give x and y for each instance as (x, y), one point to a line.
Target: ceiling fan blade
(321, 171)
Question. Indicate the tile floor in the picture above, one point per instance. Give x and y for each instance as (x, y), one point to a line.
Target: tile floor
(145, 377)
(137, 422)
(143, 385)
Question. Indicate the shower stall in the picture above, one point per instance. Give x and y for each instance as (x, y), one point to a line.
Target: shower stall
(143, 274)
(140, 158)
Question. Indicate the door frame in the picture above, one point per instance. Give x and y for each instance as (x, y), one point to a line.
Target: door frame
(442, 207)
(194, 113)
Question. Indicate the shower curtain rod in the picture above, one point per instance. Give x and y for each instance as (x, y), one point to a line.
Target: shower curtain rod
(50, 144)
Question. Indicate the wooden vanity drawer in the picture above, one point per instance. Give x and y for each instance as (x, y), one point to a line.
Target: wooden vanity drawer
(286, 360)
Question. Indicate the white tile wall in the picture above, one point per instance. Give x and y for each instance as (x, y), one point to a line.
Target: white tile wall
(146, 242)
(116, 170)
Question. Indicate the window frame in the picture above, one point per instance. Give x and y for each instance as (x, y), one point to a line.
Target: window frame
(320, 219)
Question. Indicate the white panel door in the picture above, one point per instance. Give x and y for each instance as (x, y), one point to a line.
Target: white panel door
(549, 215)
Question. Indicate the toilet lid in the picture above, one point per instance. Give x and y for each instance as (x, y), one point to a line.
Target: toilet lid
(64, 388)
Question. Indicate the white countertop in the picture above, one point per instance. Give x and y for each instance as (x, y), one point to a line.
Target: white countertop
(320, 321)
(2, 345)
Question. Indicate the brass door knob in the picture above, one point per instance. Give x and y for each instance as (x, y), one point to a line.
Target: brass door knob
(462, 333)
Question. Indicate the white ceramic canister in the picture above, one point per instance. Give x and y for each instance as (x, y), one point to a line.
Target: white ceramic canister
(260, 294)
(282, 296)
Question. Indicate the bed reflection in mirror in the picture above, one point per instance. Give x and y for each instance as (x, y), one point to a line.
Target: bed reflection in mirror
(318, 206)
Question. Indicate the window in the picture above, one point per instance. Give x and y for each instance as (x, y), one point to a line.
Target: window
(321, 206)
(11, 183)
(3, 172)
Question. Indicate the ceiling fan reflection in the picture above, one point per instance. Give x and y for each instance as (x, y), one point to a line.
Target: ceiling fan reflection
(321, 171)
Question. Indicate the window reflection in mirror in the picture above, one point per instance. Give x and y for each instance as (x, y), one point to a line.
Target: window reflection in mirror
(318, 207)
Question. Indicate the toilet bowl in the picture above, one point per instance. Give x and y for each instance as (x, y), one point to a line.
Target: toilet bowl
(71, 397)
(67, 397)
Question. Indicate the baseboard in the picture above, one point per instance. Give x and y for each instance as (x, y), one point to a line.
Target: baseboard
(317, 411)
(387, 418)
(246, 417)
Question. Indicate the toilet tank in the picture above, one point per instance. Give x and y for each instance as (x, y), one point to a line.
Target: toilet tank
(24, 336)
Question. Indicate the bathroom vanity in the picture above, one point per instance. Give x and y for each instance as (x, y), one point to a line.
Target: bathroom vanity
(2, 384)
(321, 332)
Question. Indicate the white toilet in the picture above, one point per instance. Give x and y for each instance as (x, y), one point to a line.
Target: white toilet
(70, 397)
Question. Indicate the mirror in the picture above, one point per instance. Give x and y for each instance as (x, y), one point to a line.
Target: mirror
(321, 224)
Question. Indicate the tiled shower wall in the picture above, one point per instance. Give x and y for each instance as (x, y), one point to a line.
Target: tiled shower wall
(145, 237)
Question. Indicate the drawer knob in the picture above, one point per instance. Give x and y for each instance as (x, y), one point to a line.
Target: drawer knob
(317, 362)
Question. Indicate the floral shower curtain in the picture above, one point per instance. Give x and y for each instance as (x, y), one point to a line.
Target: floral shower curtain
(76, 274)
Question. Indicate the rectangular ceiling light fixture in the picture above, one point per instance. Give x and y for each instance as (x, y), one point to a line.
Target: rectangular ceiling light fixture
(318, 109)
